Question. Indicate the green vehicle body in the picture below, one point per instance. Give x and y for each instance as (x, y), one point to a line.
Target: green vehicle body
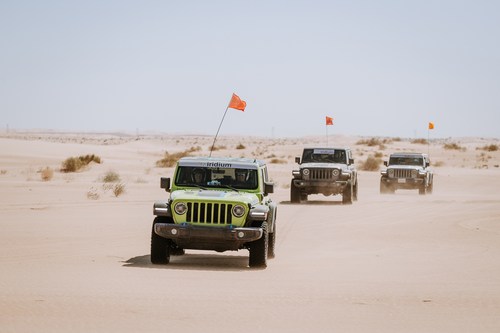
(215, 212)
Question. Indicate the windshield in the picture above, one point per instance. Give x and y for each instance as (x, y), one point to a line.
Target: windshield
(207, 177)
(406, 161)
(324, 156)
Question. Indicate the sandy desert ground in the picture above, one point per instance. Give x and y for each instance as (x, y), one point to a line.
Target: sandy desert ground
(75, 258)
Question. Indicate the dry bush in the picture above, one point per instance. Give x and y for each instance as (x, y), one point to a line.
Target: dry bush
(371, 164)
(491, 147)
(215, 148)
(374, 142)
(93, 194)
(438, 164)
(170, 159)
(73, 164)
(453, 146)
(118, 189)
(378, 155)
(47, 174)
(111, 177)
(3, 172)
(277, 161)
(240, 146)
(420, 141)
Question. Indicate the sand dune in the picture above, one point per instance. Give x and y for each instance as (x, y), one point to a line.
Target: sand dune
(73, 262)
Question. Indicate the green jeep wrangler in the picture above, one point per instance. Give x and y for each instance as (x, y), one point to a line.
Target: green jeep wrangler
(216, 204)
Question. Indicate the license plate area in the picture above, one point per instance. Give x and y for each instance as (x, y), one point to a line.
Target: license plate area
(402, 180)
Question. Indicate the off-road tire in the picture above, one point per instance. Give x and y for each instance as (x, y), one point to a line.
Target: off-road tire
(160, 247)
(355, 193)
(430, 188)
(421, 189)
(294, 193)
(347, 194)
(271, 244)
(259, 249)
(383, 188)
(303, 197)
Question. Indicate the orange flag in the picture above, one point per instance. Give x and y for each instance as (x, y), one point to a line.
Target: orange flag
(329, 120)
(237, 103)
(431, 125)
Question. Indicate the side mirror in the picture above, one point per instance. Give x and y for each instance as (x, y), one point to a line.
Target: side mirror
(268, 188)
(351, 161)
(165, 183)
(385, 163)
(297, 160)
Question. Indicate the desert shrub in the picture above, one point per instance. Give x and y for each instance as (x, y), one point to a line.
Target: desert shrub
(169, 160)
(374, 142)
(111, 177)
(3, 172)
(371, 164)
(277, 161)
(240, 146)
(215, 148)
(118, 189)
(378, 155)
(73, 164)
(420, 141)
(453, 146)
(93, 194)
(491, 147)
(438, 163)
(47, 174)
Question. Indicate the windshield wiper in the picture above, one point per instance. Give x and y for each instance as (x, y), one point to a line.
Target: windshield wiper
(195, 185)
(230, 187)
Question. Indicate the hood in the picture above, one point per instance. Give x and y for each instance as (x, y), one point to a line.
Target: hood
(215, 196)
(406, 167)
(323, 166)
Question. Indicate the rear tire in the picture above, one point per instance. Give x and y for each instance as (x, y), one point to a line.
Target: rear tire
(271, 244)
(430, 188)
(355, 194)
(258, 249)
(160, 247)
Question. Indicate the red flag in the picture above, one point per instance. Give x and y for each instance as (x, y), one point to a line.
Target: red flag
(237, 103)
(329, 120)
(431, 125)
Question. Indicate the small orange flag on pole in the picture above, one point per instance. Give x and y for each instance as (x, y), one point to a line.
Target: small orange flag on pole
(329, 120)
(431, 125)
(234, 103)
(237, 103)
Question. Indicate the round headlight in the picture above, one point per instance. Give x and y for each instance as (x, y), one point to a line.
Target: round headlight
(414, 173)
(305, 172)
(180, 208)
(238, 210)
(336, 172)
(390, 172)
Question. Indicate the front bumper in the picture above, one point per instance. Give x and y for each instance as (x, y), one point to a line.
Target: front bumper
(320, 186)
(403, 182)
(189, 236)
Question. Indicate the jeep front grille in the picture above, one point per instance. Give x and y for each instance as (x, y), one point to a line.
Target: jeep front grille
(213, 213)
(322, 174)
(402, 173)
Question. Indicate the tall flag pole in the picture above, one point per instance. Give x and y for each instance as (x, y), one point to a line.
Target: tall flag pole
(328, 122)
(234, 103)
(429, 128)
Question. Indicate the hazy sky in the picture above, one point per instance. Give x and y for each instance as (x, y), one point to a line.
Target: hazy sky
(383, 68)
